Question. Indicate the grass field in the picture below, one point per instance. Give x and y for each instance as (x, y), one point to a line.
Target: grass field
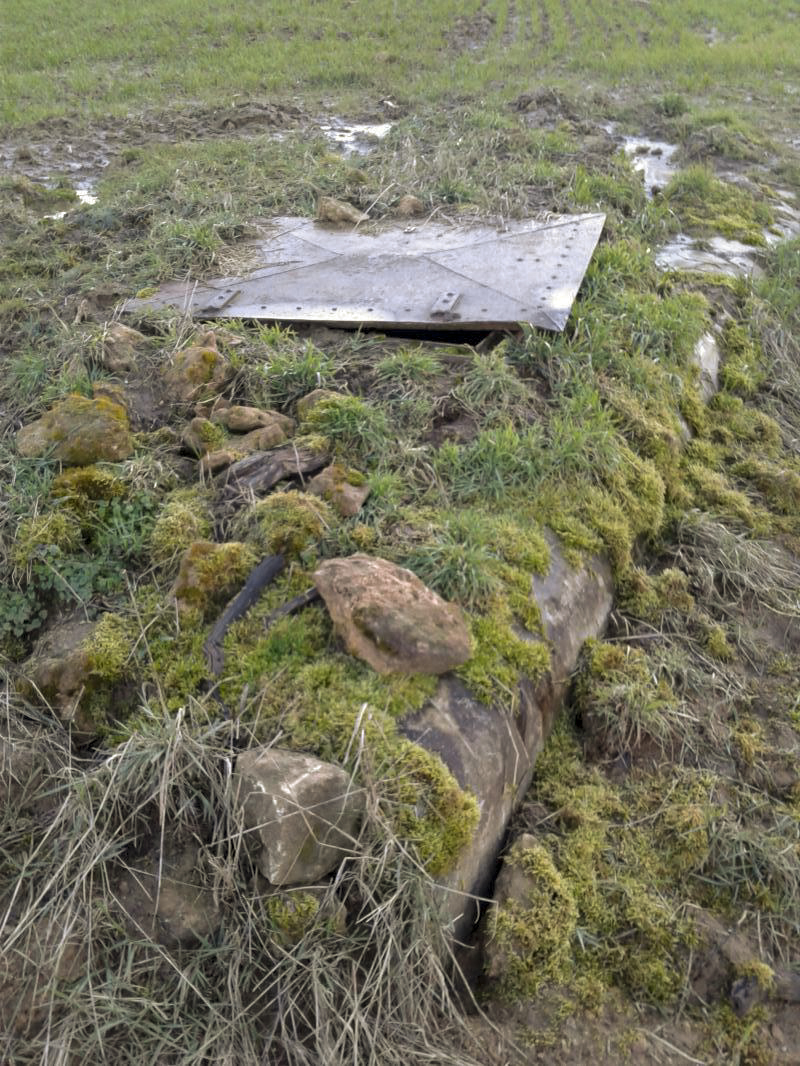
(75, 59)
(666, 806)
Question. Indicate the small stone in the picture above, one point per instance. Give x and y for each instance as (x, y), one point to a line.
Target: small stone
(244, 419)
(218, 460)
(60, 673)
(306, 404)
(706, 358)
(303, 813)
(120, 347)
(200, 437)
(198, 373)
(386, 616)
(78, 431)
(261, 440)
(331, 210)
(409, 207)
(345, 490)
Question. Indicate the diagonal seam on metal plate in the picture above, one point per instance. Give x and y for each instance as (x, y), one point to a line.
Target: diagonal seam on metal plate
(426, 276)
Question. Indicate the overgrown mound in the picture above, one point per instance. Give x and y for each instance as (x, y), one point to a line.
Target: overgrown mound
(123, 751)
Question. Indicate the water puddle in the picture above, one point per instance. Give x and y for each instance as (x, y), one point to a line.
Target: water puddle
(85, 197)
(355, 138)
(652, 159)
(787, 219)
(709, 255)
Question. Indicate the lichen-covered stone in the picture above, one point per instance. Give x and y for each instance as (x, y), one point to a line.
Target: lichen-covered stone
(39, 534)
(293, 913)
(109, 390)
(337, 211)
(79, 431)
(121, 345)
(344, 489)
(386, 616)
(200, 437)
(210, 573)
(184, 517)
(89, 483)
(257, 440)
(303, 813)
(198, 372)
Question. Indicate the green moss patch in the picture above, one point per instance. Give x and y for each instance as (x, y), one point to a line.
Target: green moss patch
(707, 206)
(183, 518)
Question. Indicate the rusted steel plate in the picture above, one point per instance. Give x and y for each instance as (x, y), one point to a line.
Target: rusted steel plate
(426, 276)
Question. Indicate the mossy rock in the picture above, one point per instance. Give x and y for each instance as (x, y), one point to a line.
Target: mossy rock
(184, 518)
(210, 573)
(344, 488)
(90, 483)
(289, 523)
(306, 404)
(202, 436)
(75, 670)
(197, 373)
(79, 431)
(532, 922)
(60, 529)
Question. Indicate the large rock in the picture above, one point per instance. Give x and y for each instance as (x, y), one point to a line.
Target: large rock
(491, 751)
(386, 616)
(302, 812)
(162, 896)
(79, 431)
(575, 603)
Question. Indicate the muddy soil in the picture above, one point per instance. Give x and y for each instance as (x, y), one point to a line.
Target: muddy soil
(68, 146)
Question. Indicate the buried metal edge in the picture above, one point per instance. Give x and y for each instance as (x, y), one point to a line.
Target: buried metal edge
(428, 276)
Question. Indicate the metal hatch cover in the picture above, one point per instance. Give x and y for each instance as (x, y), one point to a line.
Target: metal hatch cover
(427, 276)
